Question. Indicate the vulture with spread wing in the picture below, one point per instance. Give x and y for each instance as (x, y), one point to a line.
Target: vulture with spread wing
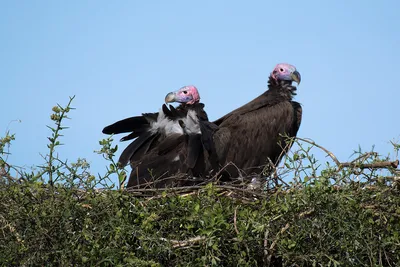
(167, 142)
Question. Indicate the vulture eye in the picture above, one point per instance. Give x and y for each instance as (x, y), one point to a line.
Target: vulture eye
(185, 92)
(281, 69)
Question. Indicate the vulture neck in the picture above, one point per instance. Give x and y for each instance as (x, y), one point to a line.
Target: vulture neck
(191, 105)
(283, 88)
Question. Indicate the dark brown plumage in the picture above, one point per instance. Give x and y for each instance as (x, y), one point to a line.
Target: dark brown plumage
(250, 136)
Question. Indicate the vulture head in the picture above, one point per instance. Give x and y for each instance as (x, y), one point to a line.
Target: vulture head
(186, 95)
(286, 72)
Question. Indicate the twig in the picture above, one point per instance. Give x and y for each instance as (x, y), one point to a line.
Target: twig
(197, 187)
(272, 247)
(5, 172)
(306, 213)
(330, 154)
(365, 156)
(266, 245)
(275, 173)
(234, 221)
(184, 243)
(376, 165)
(224, 168)
(11, 228)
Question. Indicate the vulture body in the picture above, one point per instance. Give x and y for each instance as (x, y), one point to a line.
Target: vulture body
(251, 136)
(167, 142)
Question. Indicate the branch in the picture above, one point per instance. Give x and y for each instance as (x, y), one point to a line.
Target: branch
(272, 247)
(196, 187)
(353, 164)
(234, 222)
(376, 165)
(184, 243)
(330, 154)
(365, 156)
(225, 167)
(5, 172)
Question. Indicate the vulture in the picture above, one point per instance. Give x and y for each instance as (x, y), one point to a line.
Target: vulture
(251, 136)
(167, 142)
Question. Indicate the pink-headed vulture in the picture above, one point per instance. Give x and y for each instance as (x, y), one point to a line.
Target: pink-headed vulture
(167, 142)
(251, 135)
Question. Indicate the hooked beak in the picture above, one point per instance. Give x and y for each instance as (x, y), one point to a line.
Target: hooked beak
(296, 76)
(171, 97)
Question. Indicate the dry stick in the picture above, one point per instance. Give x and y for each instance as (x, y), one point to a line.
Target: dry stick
(266, 244)
(184, 243)
(377, 165)
(234, 221)
(133, 189)
(161, 178)
(285, 150)
(195, 187)
(330, 154)
(306, 213)
(271, 248)
(365, 156)
(4, 173)
(11, 228)
(280, 179)
(226, 166)
(275, 173)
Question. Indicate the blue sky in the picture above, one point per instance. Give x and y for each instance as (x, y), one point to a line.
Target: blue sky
(121, 58)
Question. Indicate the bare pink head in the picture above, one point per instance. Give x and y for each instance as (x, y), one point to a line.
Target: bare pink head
(186, 95)
(286, 72)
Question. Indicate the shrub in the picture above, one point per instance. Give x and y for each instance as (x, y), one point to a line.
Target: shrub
(338, 214)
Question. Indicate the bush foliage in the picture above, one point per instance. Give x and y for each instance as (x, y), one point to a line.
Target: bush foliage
(327, 215)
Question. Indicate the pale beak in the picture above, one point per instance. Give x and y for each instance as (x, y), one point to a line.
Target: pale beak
(296, 76)
(171, 97)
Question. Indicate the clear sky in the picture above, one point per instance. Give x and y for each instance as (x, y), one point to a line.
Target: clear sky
(120, 58)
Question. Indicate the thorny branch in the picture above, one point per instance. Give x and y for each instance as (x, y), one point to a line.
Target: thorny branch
(353, 164)
(330, 154)
(376, 165)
